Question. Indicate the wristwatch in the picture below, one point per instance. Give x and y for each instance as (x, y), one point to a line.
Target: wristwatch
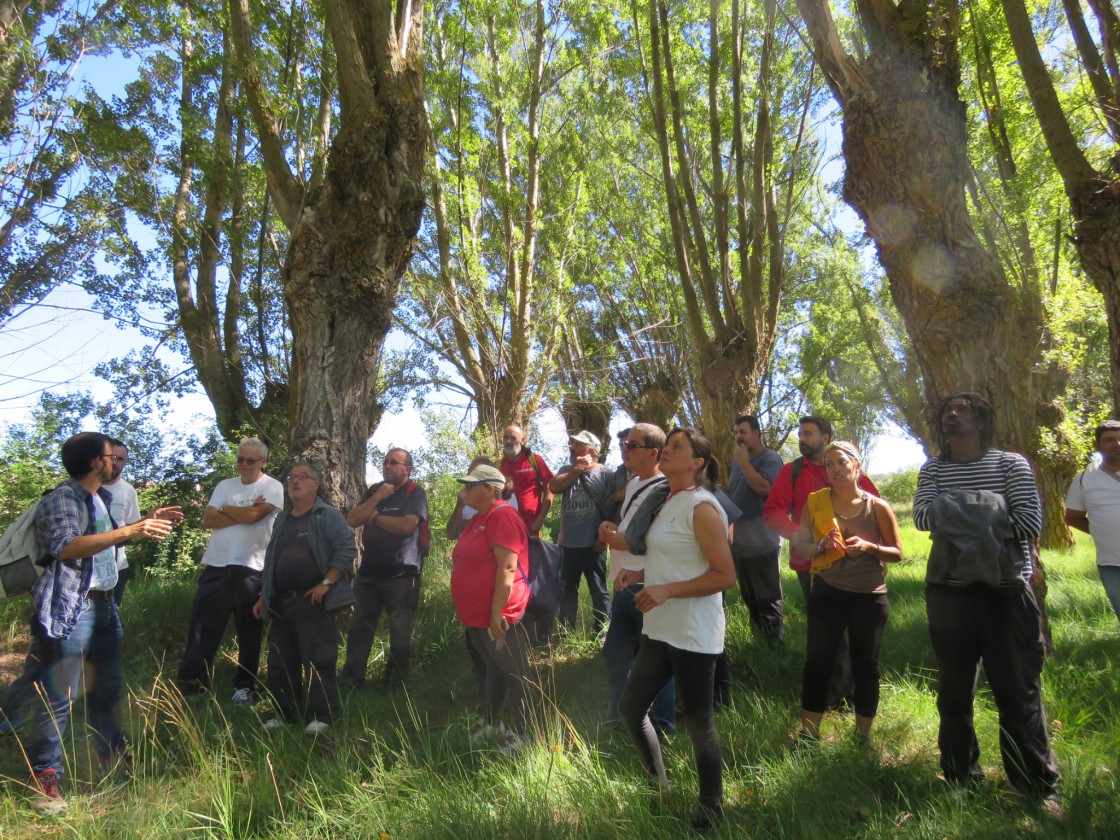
(327, 582)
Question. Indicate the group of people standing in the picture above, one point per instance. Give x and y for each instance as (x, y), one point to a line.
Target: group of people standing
(677, 541)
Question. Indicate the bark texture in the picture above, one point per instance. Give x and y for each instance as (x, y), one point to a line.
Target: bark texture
(906, 175)
(352, 236)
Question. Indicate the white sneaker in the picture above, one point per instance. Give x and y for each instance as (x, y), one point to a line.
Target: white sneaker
(244, 697)
(316, 727)
(273, 724)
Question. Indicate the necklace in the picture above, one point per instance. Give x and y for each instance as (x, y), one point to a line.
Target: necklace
(682, 490)
(855, 506)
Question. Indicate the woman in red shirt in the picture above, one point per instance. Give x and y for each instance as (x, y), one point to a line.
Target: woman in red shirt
(490, 568)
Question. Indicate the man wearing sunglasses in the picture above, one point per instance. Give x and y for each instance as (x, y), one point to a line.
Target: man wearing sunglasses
(241, 514)
(393, 516)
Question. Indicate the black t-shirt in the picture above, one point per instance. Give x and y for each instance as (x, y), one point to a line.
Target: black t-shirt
(386, 555)
(296, 569)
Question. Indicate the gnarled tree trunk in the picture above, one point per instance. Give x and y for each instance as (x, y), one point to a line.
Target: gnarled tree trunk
(905, 149)
(352, 236)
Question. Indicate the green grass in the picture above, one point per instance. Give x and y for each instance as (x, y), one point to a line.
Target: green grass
(401, 765)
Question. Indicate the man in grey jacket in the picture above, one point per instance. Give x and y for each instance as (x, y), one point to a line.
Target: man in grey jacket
(305, 581)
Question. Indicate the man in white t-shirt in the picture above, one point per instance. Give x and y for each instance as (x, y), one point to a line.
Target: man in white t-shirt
(125, 509)
(641, 455)
(241, 513)
(1093, 506)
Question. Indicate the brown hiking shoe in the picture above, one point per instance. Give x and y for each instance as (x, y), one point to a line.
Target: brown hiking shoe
(46, 795)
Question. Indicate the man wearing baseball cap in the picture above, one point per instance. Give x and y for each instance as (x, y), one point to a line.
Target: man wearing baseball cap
(585, 485)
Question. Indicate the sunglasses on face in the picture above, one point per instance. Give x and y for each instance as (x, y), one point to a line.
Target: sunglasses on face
(299, 477)
(249, 461)
(629, 445)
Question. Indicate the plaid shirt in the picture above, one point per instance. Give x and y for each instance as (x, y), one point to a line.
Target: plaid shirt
(60, 592)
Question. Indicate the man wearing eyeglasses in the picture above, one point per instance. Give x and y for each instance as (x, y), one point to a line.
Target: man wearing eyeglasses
(392, 514)
(74, 623)
(241, 514)
(125, 510)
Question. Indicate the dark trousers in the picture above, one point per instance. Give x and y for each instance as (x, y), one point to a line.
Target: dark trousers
(223, 591)
(22, 690)
(656, 664)
(832, 612)
(592, 565)
(398, 598)
(303, 659)
(507, 673)
(620, 647)
(760, 584)
(123, 576)
(840, 687)
(1000, 626)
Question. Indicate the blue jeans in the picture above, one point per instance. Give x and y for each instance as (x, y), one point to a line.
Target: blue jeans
(624, 637)
(1110, 577)
(95, 642)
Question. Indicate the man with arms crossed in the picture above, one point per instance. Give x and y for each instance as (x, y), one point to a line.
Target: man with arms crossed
(74, 621)
(125, 510)
(1093, 506)
(241, 513)
(390, 515)
(585, 484)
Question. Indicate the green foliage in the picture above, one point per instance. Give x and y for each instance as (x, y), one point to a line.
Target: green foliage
(402, 764)
(898, 488)
(165, 468)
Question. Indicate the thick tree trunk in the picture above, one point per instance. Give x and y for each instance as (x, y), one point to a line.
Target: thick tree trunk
(905, 146)
(728, 387)
(347, 255)
(1096, 210)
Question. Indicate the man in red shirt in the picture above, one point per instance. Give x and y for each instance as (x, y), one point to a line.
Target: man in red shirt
(530, 476)
(782, 513)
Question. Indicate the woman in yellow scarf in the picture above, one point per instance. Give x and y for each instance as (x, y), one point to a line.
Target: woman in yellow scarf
(850, 536)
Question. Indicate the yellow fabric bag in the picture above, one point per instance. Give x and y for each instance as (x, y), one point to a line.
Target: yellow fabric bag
(822, 517)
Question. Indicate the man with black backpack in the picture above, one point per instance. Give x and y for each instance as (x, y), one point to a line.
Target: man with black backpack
(393, 516)
(585, 485)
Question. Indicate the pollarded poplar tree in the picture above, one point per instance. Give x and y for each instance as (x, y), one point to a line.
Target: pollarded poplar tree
(353, 236)
(732, 168)
(505, 90)
(905, 145)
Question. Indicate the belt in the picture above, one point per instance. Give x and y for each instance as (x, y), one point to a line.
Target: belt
(99, 595)
(286, 596)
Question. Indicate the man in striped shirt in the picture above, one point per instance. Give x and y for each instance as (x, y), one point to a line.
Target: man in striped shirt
(978, 602)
